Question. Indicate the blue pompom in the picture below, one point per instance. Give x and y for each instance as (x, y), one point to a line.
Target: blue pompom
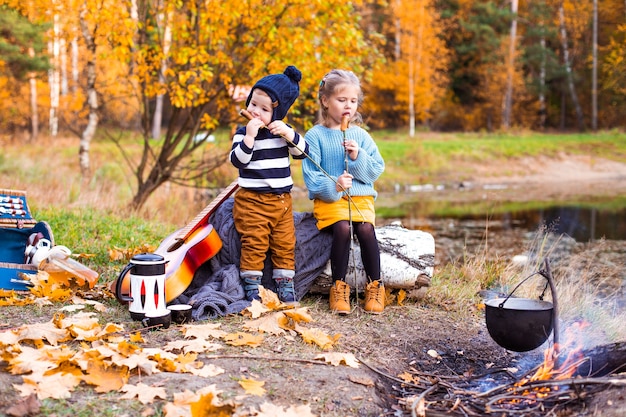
(293, 73)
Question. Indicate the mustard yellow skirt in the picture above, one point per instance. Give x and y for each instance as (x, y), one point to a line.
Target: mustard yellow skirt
(361, 207)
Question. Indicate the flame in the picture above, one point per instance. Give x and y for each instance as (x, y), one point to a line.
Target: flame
(554, 368)
(559, 363)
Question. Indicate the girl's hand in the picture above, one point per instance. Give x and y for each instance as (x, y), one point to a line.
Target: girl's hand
(345, 181)
(352, 148)
(278, 127)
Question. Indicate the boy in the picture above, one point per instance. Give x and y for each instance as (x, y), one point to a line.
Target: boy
(262, 211)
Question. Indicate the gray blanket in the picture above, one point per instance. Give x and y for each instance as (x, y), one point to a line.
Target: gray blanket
(216, 289)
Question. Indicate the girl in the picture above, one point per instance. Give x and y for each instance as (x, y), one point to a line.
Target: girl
(345, 204)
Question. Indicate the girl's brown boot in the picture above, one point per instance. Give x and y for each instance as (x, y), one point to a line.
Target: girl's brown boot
(374, 297)
(339, 298)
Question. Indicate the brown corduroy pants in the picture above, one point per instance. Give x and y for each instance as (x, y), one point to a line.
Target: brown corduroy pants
(265, 221)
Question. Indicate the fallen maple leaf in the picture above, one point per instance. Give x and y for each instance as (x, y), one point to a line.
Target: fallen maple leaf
(205, 400)
(255, 310)
(253, 387)
(299, 315)
(205, 406)
(144, 393)
(267, 324)
(203, 331)
(96, 305)
(42, 331)
(408, 377)
(136, 337)
(317, 337)
(57, 386)
(207, 371)
(337, 358)
(105, 377)
(271, 410)
(243, 339)
(194, 345)
(401, 297)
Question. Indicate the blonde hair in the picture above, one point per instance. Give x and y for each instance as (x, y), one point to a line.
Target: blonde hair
(330, 85)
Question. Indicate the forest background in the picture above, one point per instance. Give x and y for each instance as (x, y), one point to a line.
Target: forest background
(155, 75)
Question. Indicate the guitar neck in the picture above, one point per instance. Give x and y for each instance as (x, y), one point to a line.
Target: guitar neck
(203, 216)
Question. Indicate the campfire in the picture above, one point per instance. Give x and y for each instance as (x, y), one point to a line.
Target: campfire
(542, 387)
(566, 377)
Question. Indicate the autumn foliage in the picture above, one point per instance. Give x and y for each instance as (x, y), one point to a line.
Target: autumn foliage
(74, 348)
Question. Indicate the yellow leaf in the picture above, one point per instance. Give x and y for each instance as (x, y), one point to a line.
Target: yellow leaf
(57, 386)
(105, 378)
(270, 299)
(206, 371)
(401, 297)
(243, 339)
(203, 331)
(317, 337)
(253, 387)
(205, 407)
(144, 393)
(255, 310)
(43, 331)
(337, 358)
(267, 324)
(299, 315)
(194, 345)
(271, 410)
(136, 337)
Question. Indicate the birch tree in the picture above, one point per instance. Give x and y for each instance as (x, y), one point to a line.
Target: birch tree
(594, 72)
(568, 69)
(508, 97)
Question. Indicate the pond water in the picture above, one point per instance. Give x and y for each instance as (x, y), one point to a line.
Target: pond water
(581, 223)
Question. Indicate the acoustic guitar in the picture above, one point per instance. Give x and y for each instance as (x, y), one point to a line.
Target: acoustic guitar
(187, 249)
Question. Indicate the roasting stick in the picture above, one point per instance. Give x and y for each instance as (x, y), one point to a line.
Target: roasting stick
(345, 122)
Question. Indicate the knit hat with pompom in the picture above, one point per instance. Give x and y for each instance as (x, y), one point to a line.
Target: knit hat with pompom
(283, 89)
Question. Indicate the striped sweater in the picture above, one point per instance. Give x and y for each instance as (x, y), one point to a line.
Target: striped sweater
(265, 168)
(326, 149)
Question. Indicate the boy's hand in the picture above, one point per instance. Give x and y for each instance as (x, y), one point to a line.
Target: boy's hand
(253, 127)
(278, 127)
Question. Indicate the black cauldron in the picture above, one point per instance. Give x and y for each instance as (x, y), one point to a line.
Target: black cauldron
(519, 324)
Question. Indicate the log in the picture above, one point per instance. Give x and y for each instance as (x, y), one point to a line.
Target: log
(603, 360)
(407, 259)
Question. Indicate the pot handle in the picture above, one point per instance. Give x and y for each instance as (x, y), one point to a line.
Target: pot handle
(118, 286)
(501, 305)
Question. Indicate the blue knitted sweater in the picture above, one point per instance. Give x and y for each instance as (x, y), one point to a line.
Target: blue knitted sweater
(326, 149)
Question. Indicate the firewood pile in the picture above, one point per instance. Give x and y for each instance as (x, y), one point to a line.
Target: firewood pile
(458, 397)
(553, 386)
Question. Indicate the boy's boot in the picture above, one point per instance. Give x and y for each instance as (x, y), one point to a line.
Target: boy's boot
(251, 281)
(284, 285)
(374, 297)
(339, 298)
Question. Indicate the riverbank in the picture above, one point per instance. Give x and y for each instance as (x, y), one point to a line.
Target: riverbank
(415, 343)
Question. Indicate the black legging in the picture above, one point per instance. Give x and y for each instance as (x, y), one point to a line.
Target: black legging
(340, 249)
